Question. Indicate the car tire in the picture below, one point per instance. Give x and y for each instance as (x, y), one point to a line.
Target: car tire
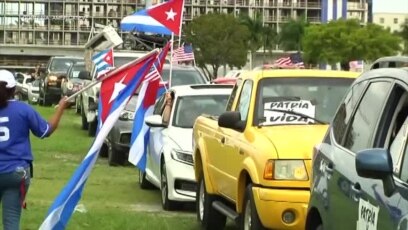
(207, 216)
(46, 101)
(77, 105)
(84, 122)
(143, 182)
(115, 158)
(167, 204)
(250, 218)
(92, 126)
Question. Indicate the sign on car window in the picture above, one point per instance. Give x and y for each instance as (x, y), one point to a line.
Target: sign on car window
(285, 112)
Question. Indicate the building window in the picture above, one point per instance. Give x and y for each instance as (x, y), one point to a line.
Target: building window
(382, 20)
(395, 20)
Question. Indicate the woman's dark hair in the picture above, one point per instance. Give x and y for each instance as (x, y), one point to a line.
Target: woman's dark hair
(5, 94)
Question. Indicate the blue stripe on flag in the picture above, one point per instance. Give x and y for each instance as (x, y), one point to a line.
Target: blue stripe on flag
(140, 21)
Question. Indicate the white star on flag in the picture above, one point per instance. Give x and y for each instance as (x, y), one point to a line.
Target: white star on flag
(170, 14)
(119, 86)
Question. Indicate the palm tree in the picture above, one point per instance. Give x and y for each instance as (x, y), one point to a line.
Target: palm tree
(260, 35)
(404, 34)
(290, 37)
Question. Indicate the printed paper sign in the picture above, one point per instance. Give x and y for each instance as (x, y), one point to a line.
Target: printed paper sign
(367, 216)
(275, 118)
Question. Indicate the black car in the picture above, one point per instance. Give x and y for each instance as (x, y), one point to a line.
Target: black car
(360, 170)
(51, 78)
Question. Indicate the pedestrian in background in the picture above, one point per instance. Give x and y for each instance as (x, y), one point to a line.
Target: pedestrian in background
(17, 119)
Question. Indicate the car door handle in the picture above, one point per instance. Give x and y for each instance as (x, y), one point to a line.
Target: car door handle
(222, 140)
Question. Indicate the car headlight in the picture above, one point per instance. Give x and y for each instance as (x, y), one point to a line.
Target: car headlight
(70, 86)
(126, 115)
(52, 78)
(182, 156)
(285, 170)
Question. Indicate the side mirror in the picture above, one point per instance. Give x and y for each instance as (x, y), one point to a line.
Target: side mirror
(84, 75)
(154, 121)
(231, 120)
(376, 164)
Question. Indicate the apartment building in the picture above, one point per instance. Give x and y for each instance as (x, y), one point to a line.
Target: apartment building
(41, 28)
(391, 20)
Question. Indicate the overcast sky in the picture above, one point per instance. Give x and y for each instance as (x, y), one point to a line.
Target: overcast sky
(390, 6)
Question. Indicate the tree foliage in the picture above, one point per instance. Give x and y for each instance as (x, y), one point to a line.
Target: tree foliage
(404, 35)
(220, 39)
(291, 35)
(346, 40)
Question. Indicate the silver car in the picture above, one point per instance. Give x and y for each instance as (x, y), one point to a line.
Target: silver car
(33, 91)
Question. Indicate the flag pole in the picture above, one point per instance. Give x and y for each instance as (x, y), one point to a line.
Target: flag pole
(171, 58)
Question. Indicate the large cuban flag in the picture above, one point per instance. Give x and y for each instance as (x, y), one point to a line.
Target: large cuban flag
(151, 88)
(116, 89)
(163, 18)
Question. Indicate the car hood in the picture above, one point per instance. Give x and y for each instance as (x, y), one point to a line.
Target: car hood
(182, 138)
(294, 141)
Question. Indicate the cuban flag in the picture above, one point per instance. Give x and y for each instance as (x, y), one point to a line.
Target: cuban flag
(116, 90)
(151, 89)
(103, 61)
(163, 18)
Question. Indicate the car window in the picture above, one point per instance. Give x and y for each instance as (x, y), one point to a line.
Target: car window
(188, 108)
(61, 65)
(244, 100)
(158, 107)
(316, 97)
(183, 77)
(362, 129)
(403, 147)
(75, 71)
(345, 110)
(19, 78)
(233, 94)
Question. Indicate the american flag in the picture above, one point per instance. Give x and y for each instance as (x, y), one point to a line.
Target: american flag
(293, 61)
(359, 64)
(183, 53)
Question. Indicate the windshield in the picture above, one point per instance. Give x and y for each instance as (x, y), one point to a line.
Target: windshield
(75, 71)
(36, 83)
(61, 65)
(183, 77)
(188, 108)
(315, 97)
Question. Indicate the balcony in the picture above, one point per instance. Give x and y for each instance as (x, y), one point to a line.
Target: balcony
(356, 6)
(314, 19)
(41, 27)
(56, 13)
(55, 42)
(271, 18)
(55, 27)
(99, 14)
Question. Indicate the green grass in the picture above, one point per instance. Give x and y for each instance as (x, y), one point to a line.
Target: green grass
(111, 196)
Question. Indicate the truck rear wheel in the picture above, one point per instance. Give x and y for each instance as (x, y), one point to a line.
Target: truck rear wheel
(84, 122)
(250, 219)
(208, 217)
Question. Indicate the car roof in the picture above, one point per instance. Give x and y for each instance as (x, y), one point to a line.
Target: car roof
(202, 89)
(396, 73)
(180, 67)
(296, 73)
(392, 58)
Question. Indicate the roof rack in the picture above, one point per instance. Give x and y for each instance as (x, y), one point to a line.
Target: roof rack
(212, 86)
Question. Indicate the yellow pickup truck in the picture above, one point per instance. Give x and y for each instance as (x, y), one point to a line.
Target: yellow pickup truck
(253, 162)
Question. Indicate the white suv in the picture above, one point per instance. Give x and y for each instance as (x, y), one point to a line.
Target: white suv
(169, 159)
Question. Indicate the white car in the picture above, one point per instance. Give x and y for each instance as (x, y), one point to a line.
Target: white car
(169, 159)
(33, 89)
(22, 81)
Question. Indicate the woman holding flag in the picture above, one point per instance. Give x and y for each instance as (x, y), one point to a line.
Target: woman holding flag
(17, 119)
